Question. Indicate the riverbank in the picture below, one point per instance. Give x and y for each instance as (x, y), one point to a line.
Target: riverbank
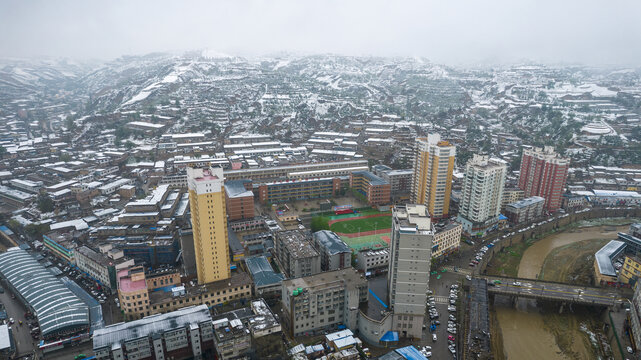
(533, 331)
(572, 263)
(534, 256)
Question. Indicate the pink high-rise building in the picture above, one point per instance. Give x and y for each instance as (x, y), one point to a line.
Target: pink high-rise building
(543, 173)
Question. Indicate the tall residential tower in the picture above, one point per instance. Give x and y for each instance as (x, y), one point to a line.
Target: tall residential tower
(409, 268)
(482, 194)
(209, 223)
(543, 173)
(433, 168)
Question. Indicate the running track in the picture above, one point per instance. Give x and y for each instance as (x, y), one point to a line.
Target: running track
(356, 218)
(365, 233)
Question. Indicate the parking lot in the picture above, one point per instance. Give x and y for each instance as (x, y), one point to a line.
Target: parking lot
(25, 344)
(440, 301)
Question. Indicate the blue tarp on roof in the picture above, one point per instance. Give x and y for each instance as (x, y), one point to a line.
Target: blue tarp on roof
(411, 353)
(390, 336)
(6, 230)
(502, 217)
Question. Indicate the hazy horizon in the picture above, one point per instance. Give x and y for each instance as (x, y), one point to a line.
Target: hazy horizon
(454, 33)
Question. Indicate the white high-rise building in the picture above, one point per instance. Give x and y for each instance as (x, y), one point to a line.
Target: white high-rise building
(480, 203)
(409, 268)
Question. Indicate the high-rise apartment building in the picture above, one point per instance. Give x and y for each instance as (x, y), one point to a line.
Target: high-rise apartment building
(409, 267)
(543, 173)
(209, 223)
(482, 194)
(433, 168)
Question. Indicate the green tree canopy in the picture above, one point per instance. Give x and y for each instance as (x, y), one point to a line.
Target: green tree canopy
(45, 204)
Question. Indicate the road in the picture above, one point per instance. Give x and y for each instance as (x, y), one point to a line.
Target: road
(537, 289)
(21, 333)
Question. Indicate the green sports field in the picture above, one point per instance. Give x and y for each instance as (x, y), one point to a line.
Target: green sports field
(362, 225)
(349, 228)
(378, 241)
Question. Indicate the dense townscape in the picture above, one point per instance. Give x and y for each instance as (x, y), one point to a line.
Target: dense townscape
(314, 207)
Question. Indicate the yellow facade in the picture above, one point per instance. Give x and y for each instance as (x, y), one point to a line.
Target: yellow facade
(631, 269)
(433, 169)
(420, 174)
(209, 224)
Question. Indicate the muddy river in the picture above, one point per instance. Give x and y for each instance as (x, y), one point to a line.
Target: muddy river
(524, 333)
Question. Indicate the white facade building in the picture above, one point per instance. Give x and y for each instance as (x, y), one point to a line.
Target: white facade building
(409, 268)
(482, 194)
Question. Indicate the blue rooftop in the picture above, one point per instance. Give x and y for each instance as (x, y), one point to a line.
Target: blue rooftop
(390, 336)
(262, 272)
(410, 353)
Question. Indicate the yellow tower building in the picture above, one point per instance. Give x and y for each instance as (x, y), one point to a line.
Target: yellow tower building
(209, 223)
(433, 168)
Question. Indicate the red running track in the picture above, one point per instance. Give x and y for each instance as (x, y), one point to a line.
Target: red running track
(365, 233)
(355, 218)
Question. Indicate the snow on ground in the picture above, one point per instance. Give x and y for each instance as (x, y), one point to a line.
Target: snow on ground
(569, 89)
(171, 78)
(281, 63)
(139, 97)
(622, 71)
(213, 54)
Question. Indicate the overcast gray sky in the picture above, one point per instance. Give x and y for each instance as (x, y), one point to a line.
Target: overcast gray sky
(446, 31)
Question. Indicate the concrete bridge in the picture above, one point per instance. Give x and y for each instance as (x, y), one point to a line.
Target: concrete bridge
(526, 288)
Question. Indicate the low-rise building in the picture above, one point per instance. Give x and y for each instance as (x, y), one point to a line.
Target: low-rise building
(259, 322)
(235, 289)
(335, 254)
(232, 339)
(102, 267)
(375, 189)
(525, 210)
(133, 293)
(511, 195)
(15, 197)
(298, 189)
(267, 282)
(604, 271)
(615, 198)
(279, 172)
(59, 310)
(183, 334)
(573, 201)
(447, 238)
(135, 287)
(372, 261)
(323, 301)
(631, 270)
(111, 187)
(264, 322)
(400, 180)
(239, 199)
(61, 245)
(296, 254)
(27, 185)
